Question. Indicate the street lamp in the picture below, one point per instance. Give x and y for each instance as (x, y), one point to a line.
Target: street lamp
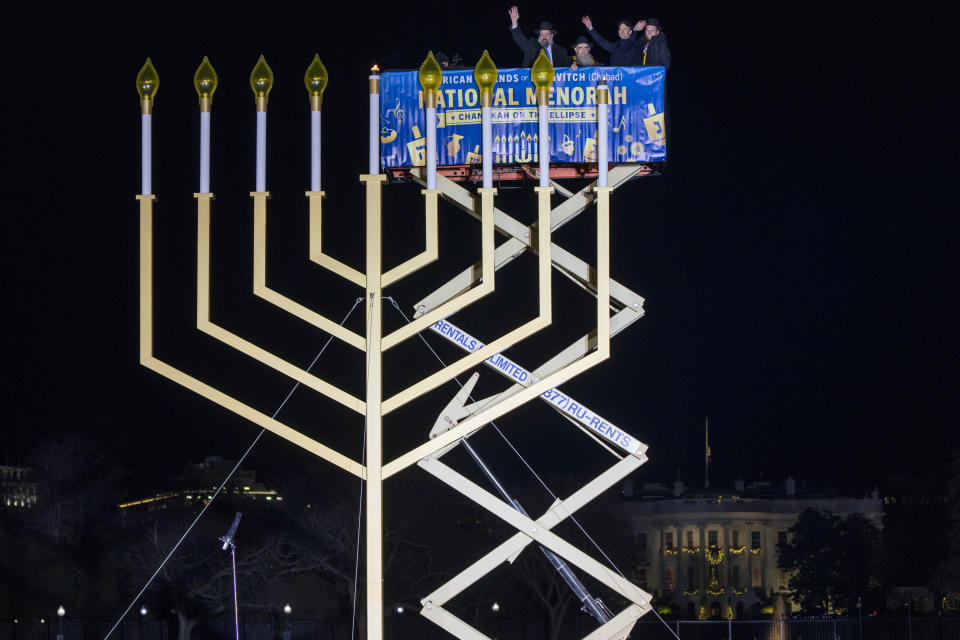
(287, 609)
(909, 622)
(399, 609)
(60, 613)
(860, 614)
(495, 607)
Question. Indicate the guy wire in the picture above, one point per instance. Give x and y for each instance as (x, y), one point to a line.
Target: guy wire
(225, 481)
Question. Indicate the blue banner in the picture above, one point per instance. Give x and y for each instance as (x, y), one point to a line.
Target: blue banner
(636, 120)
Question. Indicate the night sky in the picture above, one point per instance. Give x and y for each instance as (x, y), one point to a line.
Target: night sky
(798, 257)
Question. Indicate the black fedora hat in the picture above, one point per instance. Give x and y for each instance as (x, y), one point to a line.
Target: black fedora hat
(546, 26)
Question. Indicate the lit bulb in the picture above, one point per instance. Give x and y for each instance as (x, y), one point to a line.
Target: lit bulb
(147, 81)
(485, 73)
(261, 78)
(541, 74)
(316, 81)
(205, 79)
(430, 74)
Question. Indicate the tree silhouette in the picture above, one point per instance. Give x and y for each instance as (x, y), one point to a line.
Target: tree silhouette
(833, 560)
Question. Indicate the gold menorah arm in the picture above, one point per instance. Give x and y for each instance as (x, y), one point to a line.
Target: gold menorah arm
(316, 243)
(530, 327)
(216, 396)
(466, 298)
(240, 344)
(601, 353)
(520, 239)
(429, 254)
(261, 289)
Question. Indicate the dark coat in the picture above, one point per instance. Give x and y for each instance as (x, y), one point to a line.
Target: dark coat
(657, 52)
(623, 53)
(531, 49)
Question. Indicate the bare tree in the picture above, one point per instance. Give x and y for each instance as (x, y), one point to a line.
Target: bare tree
(79, 481)
(552, 593)
(197, 581)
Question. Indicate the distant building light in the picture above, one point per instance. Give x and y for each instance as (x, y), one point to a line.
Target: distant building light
(269, 498)
(246, 488)
(279, 497)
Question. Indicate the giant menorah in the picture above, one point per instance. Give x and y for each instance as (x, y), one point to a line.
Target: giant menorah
(460, 417)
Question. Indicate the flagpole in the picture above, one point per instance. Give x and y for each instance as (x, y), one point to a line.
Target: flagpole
(706, 452)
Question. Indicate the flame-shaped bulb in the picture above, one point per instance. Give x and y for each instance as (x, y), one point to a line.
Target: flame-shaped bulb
(261, 79)
(205, 80)
(485, 73)
(541, 74)
(430, 74)
(147, 81)
(315, 80)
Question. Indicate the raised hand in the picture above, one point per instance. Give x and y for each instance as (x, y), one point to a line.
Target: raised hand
(640, 26)
(587, 22)
(514, 14)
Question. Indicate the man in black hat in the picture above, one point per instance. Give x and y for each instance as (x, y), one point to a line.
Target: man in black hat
(654, 50)
(581, 54)
(625, 52)
(531, 46)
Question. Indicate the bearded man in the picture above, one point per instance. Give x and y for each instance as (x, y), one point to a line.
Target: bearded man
(544, 40)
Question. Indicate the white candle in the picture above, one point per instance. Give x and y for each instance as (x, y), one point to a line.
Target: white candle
(603, 100)
(145, 154)
(431, 113)
(204, 152)
(374, 124)
(261, 151)
(543, 123)
(487, 125)
(315, 150)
